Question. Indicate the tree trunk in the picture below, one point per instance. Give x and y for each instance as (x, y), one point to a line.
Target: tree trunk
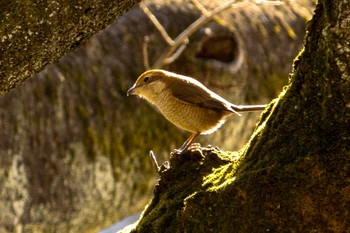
(36, 33)
(73, 151)
(293, 175)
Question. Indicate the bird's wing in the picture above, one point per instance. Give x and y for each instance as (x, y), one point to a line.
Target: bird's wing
(197, 94)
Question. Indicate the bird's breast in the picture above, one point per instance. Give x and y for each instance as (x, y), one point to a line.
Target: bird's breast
(189, 117)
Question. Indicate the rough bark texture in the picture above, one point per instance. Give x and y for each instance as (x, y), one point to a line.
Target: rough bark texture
(74, 148)
(36, 33)
(293, 176)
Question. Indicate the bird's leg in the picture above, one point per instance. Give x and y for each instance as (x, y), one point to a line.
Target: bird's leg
(187, 143)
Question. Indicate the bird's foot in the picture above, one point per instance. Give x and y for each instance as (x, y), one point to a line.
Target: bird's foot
(176, 152)
(194, 147)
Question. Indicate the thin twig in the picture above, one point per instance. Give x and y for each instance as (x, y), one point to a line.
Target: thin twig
(200, 6)
(177, 53)
(269, 2)
(157, 24)
(154, 161)
(204, 10)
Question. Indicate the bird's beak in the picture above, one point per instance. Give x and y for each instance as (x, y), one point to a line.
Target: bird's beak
(131, 91)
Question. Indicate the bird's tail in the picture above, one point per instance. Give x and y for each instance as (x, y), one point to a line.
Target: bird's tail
(247, 108)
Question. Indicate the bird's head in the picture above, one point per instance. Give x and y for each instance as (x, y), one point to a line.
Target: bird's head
(149, 85)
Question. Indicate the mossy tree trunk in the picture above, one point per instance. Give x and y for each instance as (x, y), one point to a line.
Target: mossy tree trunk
(73, 150)
(293, 175)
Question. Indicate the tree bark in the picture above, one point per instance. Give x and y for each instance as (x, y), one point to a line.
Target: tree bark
(293, 175)
(36, 33)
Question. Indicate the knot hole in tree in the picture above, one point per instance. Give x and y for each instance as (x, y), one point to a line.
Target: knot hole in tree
(219, 44)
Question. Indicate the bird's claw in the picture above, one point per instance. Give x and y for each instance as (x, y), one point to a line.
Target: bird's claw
(194, 146)
(176, 152)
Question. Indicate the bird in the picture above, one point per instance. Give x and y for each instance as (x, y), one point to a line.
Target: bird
(186, 102)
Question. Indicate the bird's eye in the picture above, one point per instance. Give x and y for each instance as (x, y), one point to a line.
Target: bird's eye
(145, 79)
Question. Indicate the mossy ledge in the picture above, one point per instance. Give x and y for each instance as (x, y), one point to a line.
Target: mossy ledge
(293, 175)
(175, 188)
(210, 190)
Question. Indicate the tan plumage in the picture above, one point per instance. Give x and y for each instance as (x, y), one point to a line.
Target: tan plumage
(186, 102)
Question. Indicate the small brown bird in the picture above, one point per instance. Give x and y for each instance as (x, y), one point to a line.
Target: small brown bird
(186, 102)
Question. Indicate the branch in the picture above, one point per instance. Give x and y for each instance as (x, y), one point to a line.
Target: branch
(154, 161)
(200, 6)
(157, 24)
(162, 60)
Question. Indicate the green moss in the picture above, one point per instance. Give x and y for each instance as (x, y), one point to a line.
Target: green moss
(221, 176)
(162, 213)
(277, 29)
(262, 30)
(90, 142)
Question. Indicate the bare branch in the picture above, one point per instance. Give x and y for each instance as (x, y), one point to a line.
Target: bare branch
(177, 53)
(192, 29)
(200, 6)
(157, 24)
(270, 2)
(154, 161)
